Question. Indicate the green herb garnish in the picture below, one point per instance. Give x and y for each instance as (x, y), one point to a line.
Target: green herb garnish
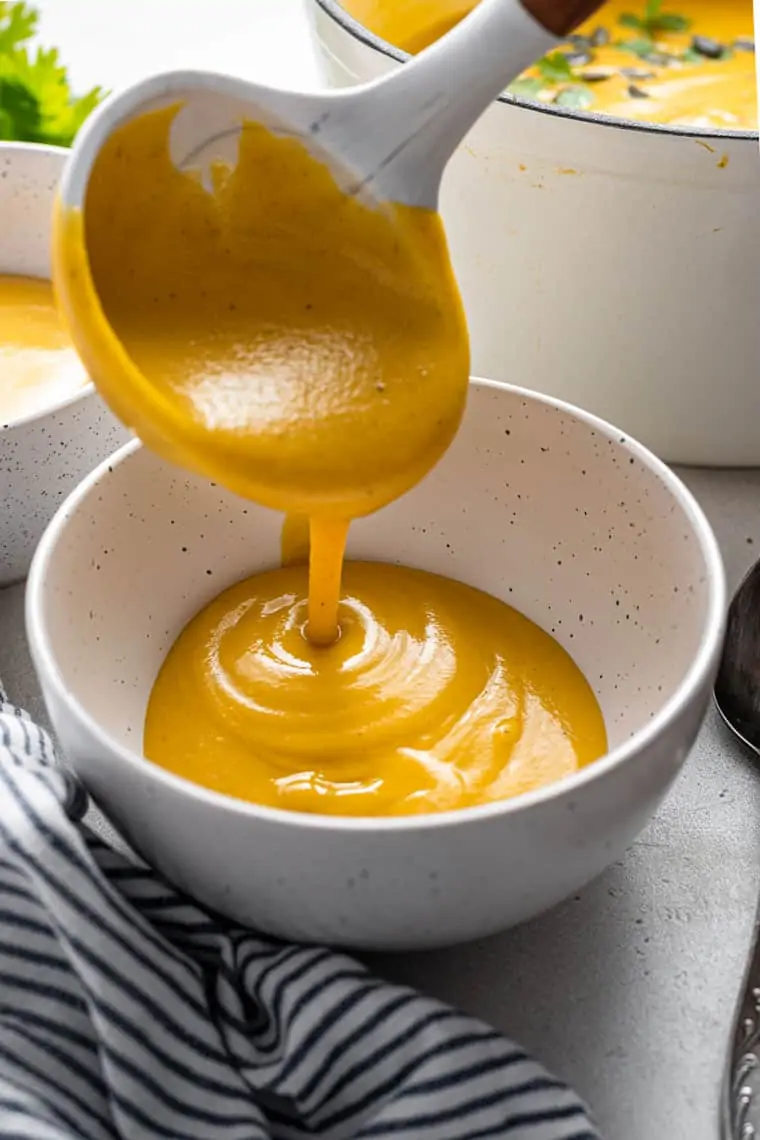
(526, 88)
(555, 68)
(555, 71)
(641, 47)
(36, 101)
(691, 56)
(654, 20)
(579, 98)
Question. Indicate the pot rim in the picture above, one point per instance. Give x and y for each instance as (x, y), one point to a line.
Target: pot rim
(687, 691)
(88, 389)
(336, 12)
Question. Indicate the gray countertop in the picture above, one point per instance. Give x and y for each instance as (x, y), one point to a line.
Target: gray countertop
(626, 990)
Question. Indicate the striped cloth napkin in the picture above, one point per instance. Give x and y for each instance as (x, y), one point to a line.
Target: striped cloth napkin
(126, 1011)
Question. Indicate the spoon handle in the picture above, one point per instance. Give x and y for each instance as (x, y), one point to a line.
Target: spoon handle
(421, 114)
(740, 1107)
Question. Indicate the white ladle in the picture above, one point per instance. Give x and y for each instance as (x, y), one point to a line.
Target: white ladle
(391, 138)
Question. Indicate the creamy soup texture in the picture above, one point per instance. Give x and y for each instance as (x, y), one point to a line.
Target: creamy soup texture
(38, 365)
(310, 352)
(686, 63)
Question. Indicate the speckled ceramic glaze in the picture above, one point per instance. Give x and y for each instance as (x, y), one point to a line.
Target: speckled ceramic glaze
(42, 457)
(539, 504)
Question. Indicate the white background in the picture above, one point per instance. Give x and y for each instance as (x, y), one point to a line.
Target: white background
(114, 42)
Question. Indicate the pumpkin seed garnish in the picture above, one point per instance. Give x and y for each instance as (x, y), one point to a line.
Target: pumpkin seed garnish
(600, 37)
(637, 73)
(707, 47)
(598, 75)
(579, 58)
(637, 93)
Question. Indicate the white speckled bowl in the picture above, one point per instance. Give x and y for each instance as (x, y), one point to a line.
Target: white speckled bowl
(42, 457)
(537, 503)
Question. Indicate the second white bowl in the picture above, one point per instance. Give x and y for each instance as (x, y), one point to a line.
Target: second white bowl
(43, 456)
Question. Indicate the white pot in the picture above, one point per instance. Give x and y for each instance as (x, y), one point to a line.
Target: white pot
(43, 456)
(536, 503)
(611, 264)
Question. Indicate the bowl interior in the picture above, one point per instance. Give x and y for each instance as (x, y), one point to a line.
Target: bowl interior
(550, 510)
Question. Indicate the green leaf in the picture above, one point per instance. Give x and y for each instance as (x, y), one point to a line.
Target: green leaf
(18, 23)
(555, 68)
(670, 22)
(36, 101)
(526, 88)
(578, 98)
(654, 20)
(628, 20)
(21, 112)
(640, 47)
(83, 107)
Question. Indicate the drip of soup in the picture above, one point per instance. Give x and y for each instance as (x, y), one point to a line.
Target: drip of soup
(309, 350)
(680, 63)
(38, 366)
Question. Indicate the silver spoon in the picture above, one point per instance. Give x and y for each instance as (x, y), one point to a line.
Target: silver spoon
(737, 695)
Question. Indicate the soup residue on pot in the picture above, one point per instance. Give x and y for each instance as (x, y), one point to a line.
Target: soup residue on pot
(310, 351)
(38, 365)
(686, 63)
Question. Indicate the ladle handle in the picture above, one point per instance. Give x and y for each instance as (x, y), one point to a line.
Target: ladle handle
(424, 111)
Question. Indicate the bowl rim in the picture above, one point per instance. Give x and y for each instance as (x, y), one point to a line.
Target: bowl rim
(87, 389)
(64, 402)
(337, 13)
(703, 664)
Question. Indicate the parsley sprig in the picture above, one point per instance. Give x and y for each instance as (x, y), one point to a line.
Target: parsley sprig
(555, 71)
(36, 101)
(555, 68)
(654, 20)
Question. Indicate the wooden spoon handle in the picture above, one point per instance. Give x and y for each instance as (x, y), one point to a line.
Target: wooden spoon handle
(561, 16)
